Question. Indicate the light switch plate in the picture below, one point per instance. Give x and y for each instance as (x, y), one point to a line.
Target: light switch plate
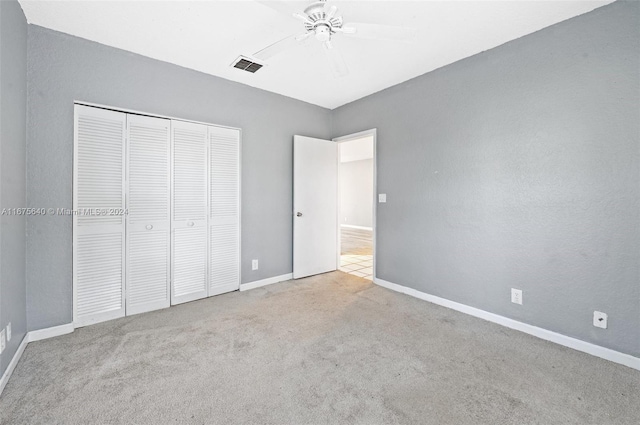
(382, 197)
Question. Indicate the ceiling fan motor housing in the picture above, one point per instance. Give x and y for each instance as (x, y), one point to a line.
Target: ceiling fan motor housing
(320, 23)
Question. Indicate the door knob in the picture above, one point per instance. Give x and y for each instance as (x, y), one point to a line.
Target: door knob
(190, 224)
(299, 214)
(149, 226)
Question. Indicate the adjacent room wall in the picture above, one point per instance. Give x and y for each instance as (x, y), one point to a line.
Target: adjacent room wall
(63, 68)
(356, 193)
(519, 168)
(13, 77)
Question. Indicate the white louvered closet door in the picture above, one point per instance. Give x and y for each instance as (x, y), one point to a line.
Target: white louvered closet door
(148, 221)
(224, 210)
(98, 226)
(189, 212)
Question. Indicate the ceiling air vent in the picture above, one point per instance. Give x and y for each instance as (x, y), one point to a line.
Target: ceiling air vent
(246, 64)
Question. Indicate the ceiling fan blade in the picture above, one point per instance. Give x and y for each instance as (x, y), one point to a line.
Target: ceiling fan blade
(336, 60)
(278, 47)
(279, 6)
(379, 32)
(345, 30)
(331, 12)
(303, 38)
(304, 18)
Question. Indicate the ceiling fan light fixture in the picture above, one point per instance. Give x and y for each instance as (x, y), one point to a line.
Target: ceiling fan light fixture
(323, 33)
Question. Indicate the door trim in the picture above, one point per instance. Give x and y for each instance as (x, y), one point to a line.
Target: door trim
(349, 137)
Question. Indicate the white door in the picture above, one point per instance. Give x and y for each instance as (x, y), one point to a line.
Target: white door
(148, 221)
(189, 212)
(224, 210)
(315, 188)
(98, 238)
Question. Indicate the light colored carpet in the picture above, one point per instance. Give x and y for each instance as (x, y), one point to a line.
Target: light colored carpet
(330, 349)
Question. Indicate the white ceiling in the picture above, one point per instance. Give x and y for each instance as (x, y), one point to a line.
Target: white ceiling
(208, 35)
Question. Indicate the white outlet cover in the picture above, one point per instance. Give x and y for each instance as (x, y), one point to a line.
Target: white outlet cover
(600, 319)
(9, 332)
(516, 296)
(382, 197)
(254, 264)
(3, 341)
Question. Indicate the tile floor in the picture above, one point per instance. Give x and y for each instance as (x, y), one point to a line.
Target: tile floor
(357, 265)
(356, 257)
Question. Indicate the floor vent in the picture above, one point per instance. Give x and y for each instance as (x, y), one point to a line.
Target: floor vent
(246, 64)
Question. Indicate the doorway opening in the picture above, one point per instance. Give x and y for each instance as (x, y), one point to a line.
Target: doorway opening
(356, 204)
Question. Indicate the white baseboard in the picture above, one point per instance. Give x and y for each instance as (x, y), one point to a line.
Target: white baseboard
(264, 282)
(50, 332)
(567, 341)
(31, 337)
(14, 362)
(352, 226)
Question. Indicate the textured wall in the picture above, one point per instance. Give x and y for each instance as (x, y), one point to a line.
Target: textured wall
(62, 68)
(356, 193)
(519, 167)
(13, 84)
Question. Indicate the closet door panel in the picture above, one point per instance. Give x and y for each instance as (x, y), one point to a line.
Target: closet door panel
(189, 212)
(98, 222)
(148, 219)
(224, 210)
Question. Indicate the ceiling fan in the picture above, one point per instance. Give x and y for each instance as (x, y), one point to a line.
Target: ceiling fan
(323, 24)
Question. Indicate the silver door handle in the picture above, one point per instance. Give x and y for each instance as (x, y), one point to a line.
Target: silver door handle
(149, 226)
(299, 214)
(190, 224)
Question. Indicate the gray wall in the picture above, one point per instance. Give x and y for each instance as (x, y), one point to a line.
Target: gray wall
(13, 84)
(519, 167)
(356, 193)
(62, 68)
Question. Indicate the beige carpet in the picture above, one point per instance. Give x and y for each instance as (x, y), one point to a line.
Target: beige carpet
(331, 349)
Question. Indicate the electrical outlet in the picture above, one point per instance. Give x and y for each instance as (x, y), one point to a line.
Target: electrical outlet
(600, 319)
(516, 296)
(382, 198)
(3, 341)
(9, 332)
(254, 264)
